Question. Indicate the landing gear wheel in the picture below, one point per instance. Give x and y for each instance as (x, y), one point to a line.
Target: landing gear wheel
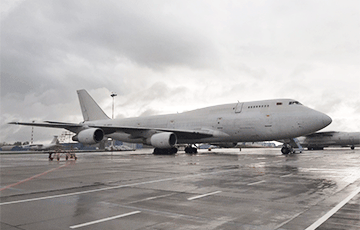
(352, 147)
(285, 150)
(171, 151)
(190, 150)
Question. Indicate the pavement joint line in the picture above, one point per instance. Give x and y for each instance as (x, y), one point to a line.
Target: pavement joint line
(325, 217)
(111, 188)
(204, 195)
(104, 220)
(258, 182)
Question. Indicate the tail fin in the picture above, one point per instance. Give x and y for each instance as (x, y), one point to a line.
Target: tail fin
(55, 140)
(89, 108)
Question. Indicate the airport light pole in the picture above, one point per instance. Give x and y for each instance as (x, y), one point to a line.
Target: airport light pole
(113, 95)
(32, 134)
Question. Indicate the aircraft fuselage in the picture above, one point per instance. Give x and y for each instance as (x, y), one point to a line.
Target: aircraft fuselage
(238, 122)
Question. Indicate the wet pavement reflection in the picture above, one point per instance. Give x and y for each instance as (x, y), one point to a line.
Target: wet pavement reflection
(221, 189)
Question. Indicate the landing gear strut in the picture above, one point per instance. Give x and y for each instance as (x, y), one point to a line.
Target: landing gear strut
(288, 148)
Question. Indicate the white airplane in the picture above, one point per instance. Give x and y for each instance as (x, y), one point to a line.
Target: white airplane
(222, 124)
(53, 144)
(319, 140)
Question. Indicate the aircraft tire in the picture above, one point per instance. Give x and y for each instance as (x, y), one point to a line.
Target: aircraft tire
(171, 151)
(352, 147)
(285, 150)
(191, 150)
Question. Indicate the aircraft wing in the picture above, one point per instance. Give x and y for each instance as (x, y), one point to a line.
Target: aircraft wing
(138, 132)
(322, 134)
(51, 124)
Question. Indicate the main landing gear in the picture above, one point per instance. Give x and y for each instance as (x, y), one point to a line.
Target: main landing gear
(287, 149)
(170, 151)
(190, 150)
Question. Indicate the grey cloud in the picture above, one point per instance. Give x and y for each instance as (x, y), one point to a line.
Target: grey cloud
(176, 55)
(41, 39)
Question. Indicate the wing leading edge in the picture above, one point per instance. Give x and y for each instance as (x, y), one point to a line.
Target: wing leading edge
(136, 132)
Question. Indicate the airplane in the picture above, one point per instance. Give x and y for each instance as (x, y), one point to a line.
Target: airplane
(40, 147)
(319, 140)
(225, 124)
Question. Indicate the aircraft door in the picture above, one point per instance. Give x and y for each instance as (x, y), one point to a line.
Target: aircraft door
(219, 123)
(171, 124)
(238, 107)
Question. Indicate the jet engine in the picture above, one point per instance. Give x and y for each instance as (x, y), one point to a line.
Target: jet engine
(163, 140)
(89, 136)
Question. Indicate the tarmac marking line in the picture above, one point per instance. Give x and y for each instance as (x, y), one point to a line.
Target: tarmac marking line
(204, 195)
(83, 192)
(287, 175)
(258, 182)
(33, 177)
(333, 210)
(110, 188)
(104, 220)
(151, 198)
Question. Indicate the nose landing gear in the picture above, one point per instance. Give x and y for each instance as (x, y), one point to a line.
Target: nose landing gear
(287, 148)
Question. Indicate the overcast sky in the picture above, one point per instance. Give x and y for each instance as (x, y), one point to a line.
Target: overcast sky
(172, 56)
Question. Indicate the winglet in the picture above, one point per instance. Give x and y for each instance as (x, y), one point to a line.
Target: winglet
(90, 109)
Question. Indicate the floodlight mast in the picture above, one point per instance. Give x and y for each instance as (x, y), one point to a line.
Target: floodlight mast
(113, 95)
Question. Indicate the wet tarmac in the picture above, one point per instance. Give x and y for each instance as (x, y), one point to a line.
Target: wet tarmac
(221, 189)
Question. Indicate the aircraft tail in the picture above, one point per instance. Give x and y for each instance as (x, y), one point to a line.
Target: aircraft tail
(55, 140)
(90, 109)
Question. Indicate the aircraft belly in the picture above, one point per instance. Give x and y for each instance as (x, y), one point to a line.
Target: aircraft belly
(125, 137)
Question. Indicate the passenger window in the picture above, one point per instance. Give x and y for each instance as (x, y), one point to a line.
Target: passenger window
(279, 103)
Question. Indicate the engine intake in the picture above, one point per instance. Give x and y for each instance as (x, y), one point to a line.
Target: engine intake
(89, 136)
(163, 140)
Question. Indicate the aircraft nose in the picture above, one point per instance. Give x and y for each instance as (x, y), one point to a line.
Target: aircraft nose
(326, 120)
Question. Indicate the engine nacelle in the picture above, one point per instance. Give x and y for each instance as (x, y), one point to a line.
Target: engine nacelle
(89, 136)
(163, 140)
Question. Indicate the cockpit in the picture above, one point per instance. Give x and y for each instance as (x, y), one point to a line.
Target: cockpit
(294, 103)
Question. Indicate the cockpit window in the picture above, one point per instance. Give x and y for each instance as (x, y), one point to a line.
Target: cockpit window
(294, 103)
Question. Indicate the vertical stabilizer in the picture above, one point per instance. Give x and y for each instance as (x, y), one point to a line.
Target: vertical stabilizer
(89, 108)
(55, 140)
